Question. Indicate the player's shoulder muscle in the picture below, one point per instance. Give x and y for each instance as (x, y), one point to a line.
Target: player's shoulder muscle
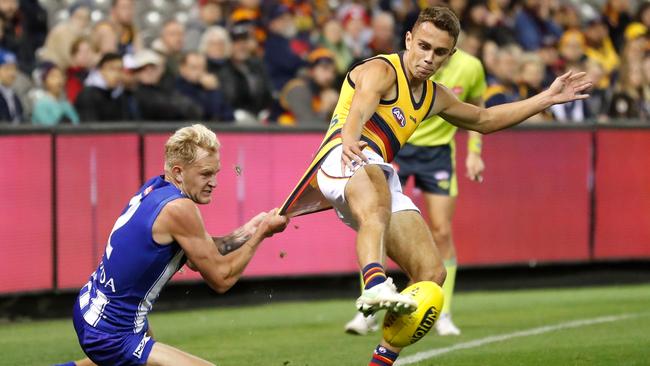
(375, 74)
(181, 217)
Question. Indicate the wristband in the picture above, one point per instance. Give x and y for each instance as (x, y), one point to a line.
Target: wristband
(474, 144)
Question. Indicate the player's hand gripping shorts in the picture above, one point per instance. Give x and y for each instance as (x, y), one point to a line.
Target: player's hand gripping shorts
(332, 182)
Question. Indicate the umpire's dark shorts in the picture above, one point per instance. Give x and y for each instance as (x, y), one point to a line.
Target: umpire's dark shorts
(433, 167)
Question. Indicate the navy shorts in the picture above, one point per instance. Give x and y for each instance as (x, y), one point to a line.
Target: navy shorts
(433, 168)
(115, 349)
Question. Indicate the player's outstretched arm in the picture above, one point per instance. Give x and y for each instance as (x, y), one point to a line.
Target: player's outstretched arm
(235, 240)
(181, 220)
(565, 88)
(372, 80)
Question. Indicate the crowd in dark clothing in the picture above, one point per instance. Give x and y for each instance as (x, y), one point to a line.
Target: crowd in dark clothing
(282, 61)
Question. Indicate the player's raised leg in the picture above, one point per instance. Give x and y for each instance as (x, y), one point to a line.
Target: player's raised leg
(441, 211)
(369, 200)
(165, 355)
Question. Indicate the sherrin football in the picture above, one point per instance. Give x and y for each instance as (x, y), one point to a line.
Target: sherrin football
(403, 330)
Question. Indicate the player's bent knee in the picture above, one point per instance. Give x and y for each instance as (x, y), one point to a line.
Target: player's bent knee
(441, 234)
(435, 274)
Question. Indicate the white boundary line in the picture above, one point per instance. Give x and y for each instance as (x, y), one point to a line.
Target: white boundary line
(425, 355)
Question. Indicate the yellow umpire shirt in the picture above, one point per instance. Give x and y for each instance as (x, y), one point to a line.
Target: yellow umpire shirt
(465, 77)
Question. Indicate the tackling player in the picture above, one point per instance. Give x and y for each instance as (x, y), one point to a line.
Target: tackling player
(160, 230)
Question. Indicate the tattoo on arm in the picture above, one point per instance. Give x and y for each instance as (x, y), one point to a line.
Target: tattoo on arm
(230, 243)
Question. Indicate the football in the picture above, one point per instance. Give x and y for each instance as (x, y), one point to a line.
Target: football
(403, 330)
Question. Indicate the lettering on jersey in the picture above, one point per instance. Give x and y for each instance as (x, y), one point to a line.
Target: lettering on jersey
(413, 119)
(399, 116)
(138, 351)
(110, 283)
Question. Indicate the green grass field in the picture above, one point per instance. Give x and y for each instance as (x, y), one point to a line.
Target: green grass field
(311, 333)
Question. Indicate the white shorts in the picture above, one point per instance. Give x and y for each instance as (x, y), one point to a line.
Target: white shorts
(332, 182)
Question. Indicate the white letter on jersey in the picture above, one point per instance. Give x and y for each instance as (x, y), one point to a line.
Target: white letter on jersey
(122, 220)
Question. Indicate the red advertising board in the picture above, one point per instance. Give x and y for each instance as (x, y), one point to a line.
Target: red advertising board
(623, 194)
(533, 204)
(96, 176)
(26, 207)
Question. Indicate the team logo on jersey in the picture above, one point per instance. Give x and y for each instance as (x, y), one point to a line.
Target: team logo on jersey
(138, 351)
(458, 90)
(399, 116)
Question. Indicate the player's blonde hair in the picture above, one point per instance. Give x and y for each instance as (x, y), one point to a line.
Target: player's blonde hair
(183, 146)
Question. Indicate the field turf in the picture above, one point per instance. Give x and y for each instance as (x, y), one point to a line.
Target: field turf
(311, 333)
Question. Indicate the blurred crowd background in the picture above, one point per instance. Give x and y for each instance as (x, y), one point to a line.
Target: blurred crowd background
(282, 61)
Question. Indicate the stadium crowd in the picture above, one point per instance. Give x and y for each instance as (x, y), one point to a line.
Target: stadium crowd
(282, 61)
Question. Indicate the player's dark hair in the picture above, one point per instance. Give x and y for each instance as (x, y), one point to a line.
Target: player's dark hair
(443, 18)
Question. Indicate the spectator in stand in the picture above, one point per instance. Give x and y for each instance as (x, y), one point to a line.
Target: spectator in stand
(502, 85)
(102, 99)
(533, 24)
(332, 39)
(51, 106)
(154, 102)
(629, 99)
(617, 15)
(244, 80)
(281, 59)
(25, 29)
(489, 19)
(572, 49)
(210, 13)
(383, 39)
(636, 42)
(202, 87)
(568, 17)
(643, 14)
(600, 48)
(82, 60)
(215, 44)
(471, 42)
(170, 46)
(11, 108)
(252, 13)
(531, 74)
(645, 70)
(60, 39)
(357, 35)
(599, 97)
(310, 99)
(122, 22)
(104, 38)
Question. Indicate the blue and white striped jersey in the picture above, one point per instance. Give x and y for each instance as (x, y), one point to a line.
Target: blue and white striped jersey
(134, 268)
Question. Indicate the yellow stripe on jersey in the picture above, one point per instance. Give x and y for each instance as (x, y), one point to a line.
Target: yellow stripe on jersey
(463, 75)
